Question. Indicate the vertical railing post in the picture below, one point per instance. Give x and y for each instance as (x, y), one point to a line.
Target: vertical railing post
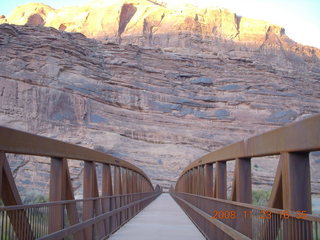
(296, 191)
(208, 180)
(198, 180)
(186, 188)
(56, 193)
(107, 192)
(243, 187)
(182, 181)
(139, 191)
(202, 180)
(186, 182)
(124, 188)
(130, 190)
(220, 190)
(10, 196)
(135, 190)
(243, 180)
(2, 159)
(61, 189)
(117, 192)
(194, 181)
(89, 183)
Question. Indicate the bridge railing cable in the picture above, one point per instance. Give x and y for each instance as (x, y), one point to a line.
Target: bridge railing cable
(202, 192)
(125, 191)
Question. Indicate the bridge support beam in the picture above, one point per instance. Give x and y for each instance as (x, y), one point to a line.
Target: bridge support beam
(60, 190)
(130, 190)
(117, 191)
(91, 207)
(193, 181)
(242, 186)
(201, 180)
(198, 180)
(291, 192)
(10, 196)
(208, 176)
(220, 189)
(190, 181)
(124, 200)
(242, 192)
(296, 191)
(106, 191)
(57, 193)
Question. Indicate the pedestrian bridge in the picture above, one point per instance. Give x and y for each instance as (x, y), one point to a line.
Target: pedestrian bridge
(128, 206)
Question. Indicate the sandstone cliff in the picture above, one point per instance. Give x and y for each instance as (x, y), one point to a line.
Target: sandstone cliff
(148, 23)
(157, 108)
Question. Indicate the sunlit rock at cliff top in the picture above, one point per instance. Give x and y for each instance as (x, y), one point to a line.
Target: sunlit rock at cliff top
(154, 23)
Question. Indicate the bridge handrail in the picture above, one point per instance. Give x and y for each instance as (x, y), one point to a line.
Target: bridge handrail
(296, 137)
(125, 191)
(291, 190)
(292, 214)
(19, 142)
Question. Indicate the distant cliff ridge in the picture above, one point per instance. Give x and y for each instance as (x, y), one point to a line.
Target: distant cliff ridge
(152, 23)
(156, 86)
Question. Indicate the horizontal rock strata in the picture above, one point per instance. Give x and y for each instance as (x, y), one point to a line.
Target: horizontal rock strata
(159, 108)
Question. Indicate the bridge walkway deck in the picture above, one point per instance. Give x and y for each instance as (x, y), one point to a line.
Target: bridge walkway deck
(162, 219)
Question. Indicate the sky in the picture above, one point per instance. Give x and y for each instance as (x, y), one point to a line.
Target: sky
(300, 18)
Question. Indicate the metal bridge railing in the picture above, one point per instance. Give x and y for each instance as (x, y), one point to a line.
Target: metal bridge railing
(240, 220)
(124, 192)
(202, 194)
(110, 219)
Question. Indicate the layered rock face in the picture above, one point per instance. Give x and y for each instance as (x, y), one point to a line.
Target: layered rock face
(159, 108)
(151, 23)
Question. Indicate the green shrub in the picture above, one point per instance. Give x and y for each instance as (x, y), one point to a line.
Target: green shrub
(260, 197)
(34, 197)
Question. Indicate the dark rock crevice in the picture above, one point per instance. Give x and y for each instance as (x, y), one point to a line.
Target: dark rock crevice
(237, 20)
(127, 12)
(35, 20)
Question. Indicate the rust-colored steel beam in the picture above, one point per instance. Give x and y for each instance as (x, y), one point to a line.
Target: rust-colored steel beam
(130, 190)
(10, 196)
(14, 141)
(201, 180)
(291, 189)
(296, 191)
(72, 211)
(221, 180)
(275, 200)
(2, 159)
(124, 188)
(194, 204)
(89, 187)
(208, 176)
(61, 189)
(243, 181)
(117, 191)
(57, 193)
(127, 179)
(106, 191)
(145, 198)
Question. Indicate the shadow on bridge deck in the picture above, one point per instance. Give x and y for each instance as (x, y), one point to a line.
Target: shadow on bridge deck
(162, 219)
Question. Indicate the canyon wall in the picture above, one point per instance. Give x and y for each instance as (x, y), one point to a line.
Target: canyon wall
(146, 93)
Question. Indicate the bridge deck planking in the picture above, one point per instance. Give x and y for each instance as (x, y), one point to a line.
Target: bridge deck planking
(162, 219)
